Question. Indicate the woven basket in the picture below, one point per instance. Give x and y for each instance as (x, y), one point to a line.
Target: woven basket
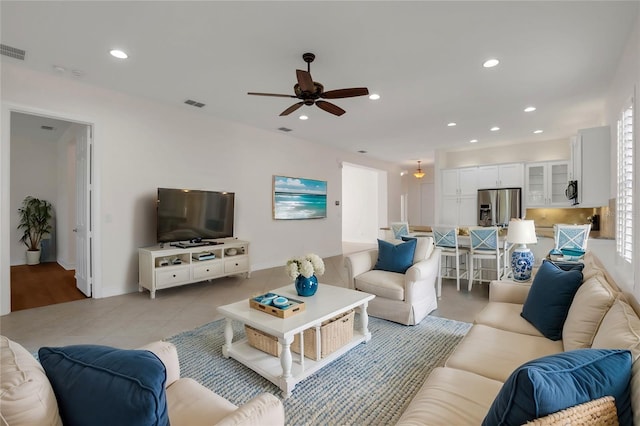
(263, 341)
(334, 334)
(597, 412)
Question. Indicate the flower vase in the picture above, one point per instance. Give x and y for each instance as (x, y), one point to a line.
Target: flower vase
(306, 286)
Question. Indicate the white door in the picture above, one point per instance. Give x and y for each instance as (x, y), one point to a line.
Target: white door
(83, 210)
(427, 203)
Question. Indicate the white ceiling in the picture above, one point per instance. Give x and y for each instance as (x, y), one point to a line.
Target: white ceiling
(423, 58)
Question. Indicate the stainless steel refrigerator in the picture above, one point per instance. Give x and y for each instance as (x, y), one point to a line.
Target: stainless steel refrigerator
(497, 206)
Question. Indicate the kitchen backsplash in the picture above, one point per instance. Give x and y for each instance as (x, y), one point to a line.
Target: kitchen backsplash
(601, 218)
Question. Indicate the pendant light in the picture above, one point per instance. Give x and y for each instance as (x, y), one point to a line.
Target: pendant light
(419, 174)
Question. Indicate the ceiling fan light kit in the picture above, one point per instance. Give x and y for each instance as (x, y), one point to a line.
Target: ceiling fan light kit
(311, 92)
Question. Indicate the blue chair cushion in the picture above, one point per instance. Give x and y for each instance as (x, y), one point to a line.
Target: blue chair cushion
(395, 257)
(556, 382)
(550, 297)
(99, 385)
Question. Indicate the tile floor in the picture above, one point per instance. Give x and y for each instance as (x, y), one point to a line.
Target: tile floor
(132, 320)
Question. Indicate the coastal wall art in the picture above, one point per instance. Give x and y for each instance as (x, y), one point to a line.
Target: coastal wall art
(299, 198)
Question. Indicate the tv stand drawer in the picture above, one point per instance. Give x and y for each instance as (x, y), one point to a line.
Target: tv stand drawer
(170, 278)
(241, 264)
(208, 271)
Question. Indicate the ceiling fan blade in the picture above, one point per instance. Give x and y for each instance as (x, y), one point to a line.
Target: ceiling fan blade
(291, 109)
(331, 108)
(345, 93)
(305, 81)
(271, 94)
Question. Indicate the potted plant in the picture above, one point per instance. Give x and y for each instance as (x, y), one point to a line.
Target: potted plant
(35, 222)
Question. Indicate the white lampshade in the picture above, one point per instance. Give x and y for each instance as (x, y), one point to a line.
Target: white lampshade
(521, 232)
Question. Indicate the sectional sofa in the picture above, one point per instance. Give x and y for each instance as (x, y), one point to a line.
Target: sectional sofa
(92, 385)
(463, 391)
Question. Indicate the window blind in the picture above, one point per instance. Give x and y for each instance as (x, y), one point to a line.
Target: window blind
(624, 201)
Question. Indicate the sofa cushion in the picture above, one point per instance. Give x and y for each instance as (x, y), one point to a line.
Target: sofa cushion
(590, 304)
(553, 383)
(451, 397)
(424, 247)
(388, 285)
(506, 316)
(26, 396)
(495, 353)
(550, 297)
(100, 385)
(620, 329)
(395, 257)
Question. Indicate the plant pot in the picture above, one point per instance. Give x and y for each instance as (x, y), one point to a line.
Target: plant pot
(33, 257)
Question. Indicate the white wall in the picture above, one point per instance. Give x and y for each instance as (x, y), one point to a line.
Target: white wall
(414, 189)
(34, 169)
(141, 145)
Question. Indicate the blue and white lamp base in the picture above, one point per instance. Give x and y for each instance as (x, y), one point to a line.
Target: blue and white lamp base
(522, 263)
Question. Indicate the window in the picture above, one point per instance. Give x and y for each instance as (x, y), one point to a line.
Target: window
(624, 201)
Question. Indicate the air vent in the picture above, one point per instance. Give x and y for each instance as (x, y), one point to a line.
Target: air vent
(194, 103)
(284, 129)
(47, 127)
(12, 52)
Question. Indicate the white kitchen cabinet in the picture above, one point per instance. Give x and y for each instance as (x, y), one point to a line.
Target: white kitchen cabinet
(500, 176)
(591, 166)
(546, 183)
(458, 182)
(461, 211)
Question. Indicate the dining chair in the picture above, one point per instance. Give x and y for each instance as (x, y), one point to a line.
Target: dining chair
(571, 236)
(400, 229)
(485, 246)
(446, 238)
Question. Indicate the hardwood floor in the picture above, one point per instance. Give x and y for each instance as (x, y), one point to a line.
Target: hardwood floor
(45, 284)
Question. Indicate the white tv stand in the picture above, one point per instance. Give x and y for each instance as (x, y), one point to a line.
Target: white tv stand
(167, 266)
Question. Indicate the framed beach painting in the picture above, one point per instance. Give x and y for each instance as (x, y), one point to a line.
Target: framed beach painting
(299, 198)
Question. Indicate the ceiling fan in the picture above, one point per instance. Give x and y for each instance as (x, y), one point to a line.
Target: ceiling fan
(311, 92)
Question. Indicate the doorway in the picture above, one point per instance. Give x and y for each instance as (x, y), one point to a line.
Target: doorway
(48, 159)
(364, 204)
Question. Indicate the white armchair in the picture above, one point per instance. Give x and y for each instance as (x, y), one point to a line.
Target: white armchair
(404, 298)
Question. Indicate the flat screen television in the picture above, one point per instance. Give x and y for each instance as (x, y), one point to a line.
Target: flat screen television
(194, 215)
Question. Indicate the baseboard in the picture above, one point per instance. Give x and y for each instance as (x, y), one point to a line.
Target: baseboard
(65, 265)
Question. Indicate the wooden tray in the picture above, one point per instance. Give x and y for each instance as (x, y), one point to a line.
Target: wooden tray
(295, 307)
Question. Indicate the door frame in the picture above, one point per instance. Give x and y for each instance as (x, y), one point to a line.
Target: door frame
(5, 207)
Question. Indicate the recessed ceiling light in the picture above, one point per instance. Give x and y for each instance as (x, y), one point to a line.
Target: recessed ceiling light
(537, 131)
(304, 117)
(116, 53)
(530, 109)
(59, 68)
(452, 124)
(374, 96)
(490, 63)
(494, 128)
(473, 141)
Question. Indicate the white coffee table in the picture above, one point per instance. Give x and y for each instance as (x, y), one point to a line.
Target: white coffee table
(328, 302)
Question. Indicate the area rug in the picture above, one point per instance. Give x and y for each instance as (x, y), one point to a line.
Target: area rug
(370, 385)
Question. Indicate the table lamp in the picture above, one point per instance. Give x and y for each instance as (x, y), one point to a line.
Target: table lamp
(521, 232)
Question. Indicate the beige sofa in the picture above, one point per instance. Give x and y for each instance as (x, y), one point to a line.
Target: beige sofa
(404, 298)
(27, 398)
(461, 392)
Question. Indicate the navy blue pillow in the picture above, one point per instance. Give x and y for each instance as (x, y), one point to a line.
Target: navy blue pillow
(550, 297)
(556, 382)
(395, 258)
(99, 385)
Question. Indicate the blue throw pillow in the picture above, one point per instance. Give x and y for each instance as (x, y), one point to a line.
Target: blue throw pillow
(395, 258)
(549, 299)
(98, 385)
(556, 382)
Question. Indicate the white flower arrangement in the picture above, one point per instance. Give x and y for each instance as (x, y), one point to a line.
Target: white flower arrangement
(306, 266)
